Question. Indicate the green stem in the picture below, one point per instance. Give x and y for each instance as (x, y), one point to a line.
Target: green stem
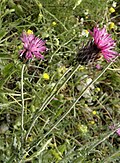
(22, 109)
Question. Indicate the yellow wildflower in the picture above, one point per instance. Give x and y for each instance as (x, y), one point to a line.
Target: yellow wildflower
(40, 15)
(97, 89)
(86, 105)
(81, 68)
(61, 70)
(85, 32)
(94, 112)
(92, 122)
(29, 32)
(46, 76)
(111, 25)
(111, 10)
(83, 128)
(54, 23)
(30, 139)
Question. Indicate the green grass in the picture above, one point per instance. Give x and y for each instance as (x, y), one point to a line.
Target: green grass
(65, 119)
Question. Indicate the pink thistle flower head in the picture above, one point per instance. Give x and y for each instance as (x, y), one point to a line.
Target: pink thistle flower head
(104, 43)
(32, 46)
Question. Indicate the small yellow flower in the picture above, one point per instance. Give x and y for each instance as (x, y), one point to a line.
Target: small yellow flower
(97, 89)
(83, 128)
(86, 105)
(29, 32)
(20, 47)
(30, 139)
(61, 70)
(81, 68)
(111, 25)
(92, 122)
(40, 15)
(111, 10)
(46, 76)
(54, 23)
(94, 112)
(85, 32)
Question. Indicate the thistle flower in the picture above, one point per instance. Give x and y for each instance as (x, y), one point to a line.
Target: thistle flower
(101, 45)
(32, 46)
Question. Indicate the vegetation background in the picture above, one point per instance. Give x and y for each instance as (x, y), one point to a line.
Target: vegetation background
(46, 116)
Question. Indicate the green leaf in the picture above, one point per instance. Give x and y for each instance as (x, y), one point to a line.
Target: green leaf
(2, 33)
(7, 69)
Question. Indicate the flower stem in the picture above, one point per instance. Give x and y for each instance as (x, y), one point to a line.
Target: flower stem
(22, 109)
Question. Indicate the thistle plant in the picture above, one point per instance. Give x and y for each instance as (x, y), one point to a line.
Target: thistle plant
(103, 44)
(59, 81)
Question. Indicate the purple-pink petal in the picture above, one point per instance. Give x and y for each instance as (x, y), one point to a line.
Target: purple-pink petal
(38, 55)
(28, 55)
(98, 66)
(118, 131)
(42, 49)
